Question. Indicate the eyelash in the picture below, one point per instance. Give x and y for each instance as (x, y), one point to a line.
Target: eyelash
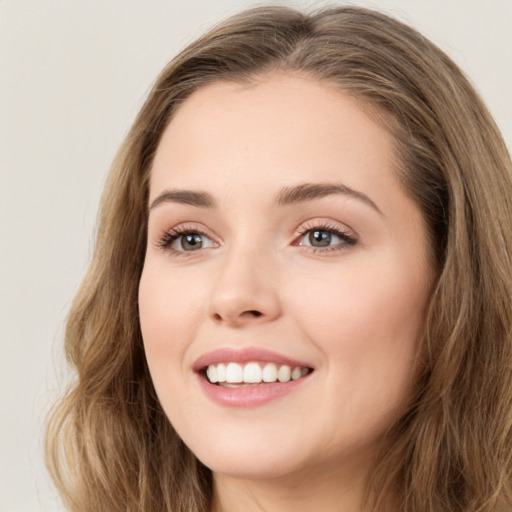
(173, 234)
(344, 236)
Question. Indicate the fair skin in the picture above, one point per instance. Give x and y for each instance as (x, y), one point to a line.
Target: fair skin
(248, 263)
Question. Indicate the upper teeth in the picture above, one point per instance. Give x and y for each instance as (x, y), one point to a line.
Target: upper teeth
(253, 373)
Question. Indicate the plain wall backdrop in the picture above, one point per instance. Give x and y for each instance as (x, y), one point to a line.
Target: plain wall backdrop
(73, 74)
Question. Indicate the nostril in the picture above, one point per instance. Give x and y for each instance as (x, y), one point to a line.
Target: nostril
(250, 313)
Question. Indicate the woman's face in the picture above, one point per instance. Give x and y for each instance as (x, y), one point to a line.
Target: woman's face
(281, 248)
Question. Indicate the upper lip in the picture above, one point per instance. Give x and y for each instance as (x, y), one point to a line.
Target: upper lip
(245, 355)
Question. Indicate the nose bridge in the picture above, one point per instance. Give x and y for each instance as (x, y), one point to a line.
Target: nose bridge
(244, 290)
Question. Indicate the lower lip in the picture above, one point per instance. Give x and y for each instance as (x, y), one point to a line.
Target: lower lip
(249, 396)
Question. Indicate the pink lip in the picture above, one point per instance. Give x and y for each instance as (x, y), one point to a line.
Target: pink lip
(245, 355)
(249, 396)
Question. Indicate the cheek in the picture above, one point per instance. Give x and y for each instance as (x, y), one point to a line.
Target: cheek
(170, 310)
(360, 301)
(366, 318)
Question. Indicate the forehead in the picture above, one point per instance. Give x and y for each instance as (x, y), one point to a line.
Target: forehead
(283, 129)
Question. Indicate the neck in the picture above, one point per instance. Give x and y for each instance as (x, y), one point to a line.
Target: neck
(327, 489)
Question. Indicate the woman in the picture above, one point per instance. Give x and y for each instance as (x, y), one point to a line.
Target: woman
(300, 294)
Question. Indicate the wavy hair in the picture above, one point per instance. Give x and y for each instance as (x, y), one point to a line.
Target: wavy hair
(110, 446)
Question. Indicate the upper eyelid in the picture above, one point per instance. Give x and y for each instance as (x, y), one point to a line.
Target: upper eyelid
(326, 224)
(191, 227)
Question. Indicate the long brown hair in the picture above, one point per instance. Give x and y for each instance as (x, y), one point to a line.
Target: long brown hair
(110, 446)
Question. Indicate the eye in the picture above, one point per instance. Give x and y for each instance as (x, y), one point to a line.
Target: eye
(191, 242)
(325, 238)
(185, 240)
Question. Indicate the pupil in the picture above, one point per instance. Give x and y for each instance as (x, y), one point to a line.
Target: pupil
(320, 238)
(192, 241)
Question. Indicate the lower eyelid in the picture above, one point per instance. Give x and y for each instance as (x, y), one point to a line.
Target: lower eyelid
(343, 244)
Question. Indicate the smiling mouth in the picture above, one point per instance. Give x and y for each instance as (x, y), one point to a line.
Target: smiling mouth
(231, 374)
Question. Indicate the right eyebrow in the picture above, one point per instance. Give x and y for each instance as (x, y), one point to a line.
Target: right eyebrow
(190, 197)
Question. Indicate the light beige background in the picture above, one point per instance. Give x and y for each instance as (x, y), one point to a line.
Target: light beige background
(72, 75)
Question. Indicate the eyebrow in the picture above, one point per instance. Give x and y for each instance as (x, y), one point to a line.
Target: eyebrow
(310, 191)
(287, 196)
(190, 197)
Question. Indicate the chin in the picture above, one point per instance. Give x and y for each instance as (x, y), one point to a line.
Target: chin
(249, 460)
(257, 468)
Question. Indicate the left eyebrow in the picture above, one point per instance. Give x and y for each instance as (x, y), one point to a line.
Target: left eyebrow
(310, 191)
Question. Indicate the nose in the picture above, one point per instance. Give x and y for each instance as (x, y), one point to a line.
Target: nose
(245, 291)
